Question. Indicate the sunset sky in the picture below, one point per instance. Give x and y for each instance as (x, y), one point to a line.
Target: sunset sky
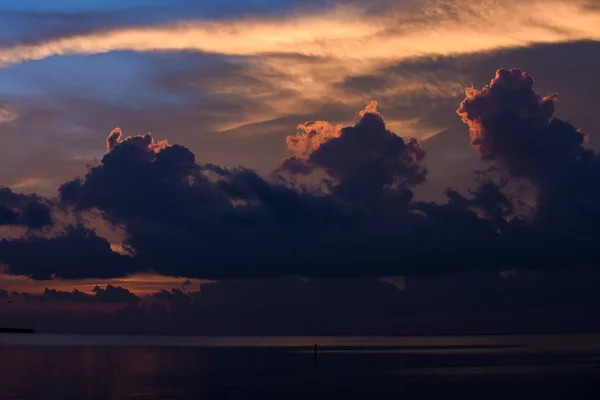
(277, 87)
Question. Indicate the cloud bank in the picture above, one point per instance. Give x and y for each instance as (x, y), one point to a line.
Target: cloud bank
(354, 217)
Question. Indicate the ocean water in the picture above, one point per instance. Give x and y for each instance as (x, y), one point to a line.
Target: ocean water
(427, 367)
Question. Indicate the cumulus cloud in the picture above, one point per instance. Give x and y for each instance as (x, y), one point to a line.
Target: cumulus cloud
(363, 160)
(76, 253)
(185, 284)
(56, 295)
(145, 142)
(114, 294)
(184, 218)
(512, 124)
(515, 127)
(110, 294)
(173, 295)
(310, 136)
(30, 211)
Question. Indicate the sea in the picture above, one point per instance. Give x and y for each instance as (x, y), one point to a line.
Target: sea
(40, 366)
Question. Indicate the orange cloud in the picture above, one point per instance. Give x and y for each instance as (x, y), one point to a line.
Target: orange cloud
(139, 284)
(310, 136)
(145, 142)
(371, 108)
(405, 31)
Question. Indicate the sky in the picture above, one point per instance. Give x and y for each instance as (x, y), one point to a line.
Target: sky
(163, 162)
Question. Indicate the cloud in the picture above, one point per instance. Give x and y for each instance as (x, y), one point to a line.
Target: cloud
(3, 294)
(185, 284)
(76, 253)
(515, 127)
(311, 136)
(173, 295)
(296, 64)
(114, 294)
(188, 219)
(110, 294)
(404, 31)
(145, 142)
(512, 124)
(221, 94)
(532, 301)
(363, 160)
(260, 95)
(55, 295)
(30, 211)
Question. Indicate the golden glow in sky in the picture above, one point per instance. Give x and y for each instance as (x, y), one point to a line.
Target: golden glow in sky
(303, 58)
(434, 28)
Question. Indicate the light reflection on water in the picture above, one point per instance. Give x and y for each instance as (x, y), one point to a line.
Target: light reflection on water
(121, 367)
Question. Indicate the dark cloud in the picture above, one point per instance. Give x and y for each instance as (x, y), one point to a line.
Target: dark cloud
(173, 295)
(144, 142)
(76, 253)
(27, 297)
(488, 198)
(56, 295)
(3, 294)
(478, 302)
(114, 294)
(110, 294)
(511, 124)
(362, 160)
(30, 211)
(450, 153)
(183, 218)
(7, 216)
(515, 127)
(185, 284)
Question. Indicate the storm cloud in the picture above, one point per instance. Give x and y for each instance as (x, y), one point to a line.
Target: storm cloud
(109, 294)
(363, 160)
(30, 211)
(184, 218)
(354, 217)
(515, 127)
(76, 253)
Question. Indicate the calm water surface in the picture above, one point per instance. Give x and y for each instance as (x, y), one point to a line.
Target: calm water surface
(146, 367)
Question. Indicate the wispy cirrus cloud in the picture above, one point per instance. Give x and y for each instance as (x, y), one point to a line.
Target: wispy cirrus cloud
(303, 60)
(405, 31)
